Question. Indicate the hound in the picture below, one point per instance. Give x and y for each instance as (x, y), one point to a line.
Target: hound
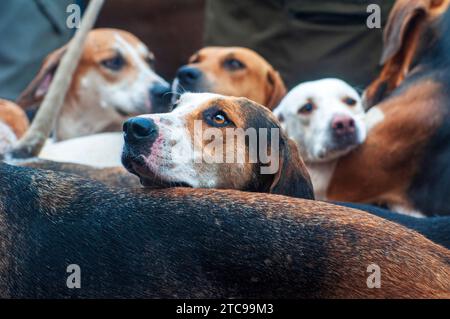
(214, 141)
(232, 71)
(327, 121)
(190, 243)
(404, 162)
(113, 81)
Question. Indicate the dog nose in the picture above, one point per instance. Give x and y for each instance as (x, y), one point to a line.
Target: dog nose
(139, 128)
(343, 125)
(160, 96)
(188, 75)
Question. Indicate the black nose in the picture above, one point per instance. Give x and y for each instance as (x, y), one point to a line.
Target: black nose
(161, 97)
(188, 75)
(139, 128)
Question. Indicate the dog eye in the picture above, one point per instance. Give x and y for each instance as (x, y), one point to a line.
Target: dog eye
(116, 63)
(218, 119)
(349, 101)
(233, 65)
(307, 108)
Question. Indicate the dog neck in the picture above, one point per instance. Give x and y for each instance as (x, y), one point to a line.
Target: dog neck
(321, 174)
(81, 116)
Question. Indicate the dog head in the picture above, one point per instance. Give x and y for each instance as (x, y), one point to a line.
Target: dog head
(13, 124)
(231, 71)
(114, 79)
(324, 117)
(213, 141)
(405, 36)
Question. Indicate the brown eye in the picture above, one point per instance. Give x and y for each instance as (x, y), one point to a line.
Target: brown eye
(233, 64)
(220, 118)
(349, 101)
(307, 108)
(116, 63)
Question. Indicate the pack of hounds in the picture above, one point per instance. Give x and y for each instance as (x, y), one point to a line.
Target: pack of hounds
(362, 180)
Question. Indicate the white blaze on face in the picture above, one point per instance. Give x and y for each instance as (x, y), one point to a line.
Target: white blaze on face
(312, 131)
(173, 156)
(130, 91)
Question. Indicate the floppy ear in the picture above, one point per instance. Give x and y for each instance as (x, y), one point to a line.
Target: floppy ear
(36, 90)
(292, 178)
(276, 89)
(403, 27)
(401, 43)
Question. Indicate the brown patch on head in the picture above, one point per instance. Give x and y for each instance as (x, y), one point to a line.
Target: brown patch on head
(241, 132)
(236, 71)
(13, 116)
(381, 170)
(402, 39)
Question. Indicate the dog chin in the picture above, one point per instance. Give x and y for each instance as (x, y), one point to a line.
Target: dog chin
(151, 179)
(331, 152)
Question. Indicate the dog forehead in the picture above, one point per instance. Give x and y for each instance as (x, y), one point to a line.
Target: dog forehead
(321, 92)
(192, 101)
(245, 54)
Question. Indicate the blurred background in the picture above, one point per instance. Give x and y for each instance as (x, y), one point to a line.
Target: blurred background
(303, 39)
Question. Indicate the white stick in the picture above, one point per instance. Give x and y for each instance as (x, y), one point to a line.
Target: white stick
(31, 144)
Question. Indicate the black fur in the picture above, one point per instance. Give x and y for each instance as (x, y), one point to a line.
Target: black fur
(180, 243)
(437, 229)
(430, 188)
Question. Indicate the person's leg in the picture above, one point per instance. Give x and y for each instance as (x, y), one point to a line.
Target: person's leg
(304, 40)
(30, 30)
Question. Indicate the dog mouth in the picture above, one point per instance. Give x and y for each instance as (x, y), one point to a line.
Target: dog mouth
(337, 148)
(147, 176)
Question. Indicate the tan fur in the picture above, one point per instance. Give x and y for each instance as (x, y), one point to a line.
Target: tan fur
(258, 81)
(83, 112)
(381, 169)
(401, 41)
(114, 176)
(13, 116)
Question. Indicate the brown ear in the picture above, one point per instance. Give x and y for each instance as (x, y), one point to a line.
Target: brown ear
(13, 116)
(404, 24)
(276, 89)
(36, 90)
(292, 178)
(401, 41)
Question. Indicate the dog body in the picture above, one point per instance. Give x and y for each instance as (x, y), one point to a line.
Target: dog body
(326, 120)
(231, 71)
(209, 141)
(113, 81)
(13, 124)
(437, 229)
(404, 161)
(110, 176)
(157, 244)
(99, 150)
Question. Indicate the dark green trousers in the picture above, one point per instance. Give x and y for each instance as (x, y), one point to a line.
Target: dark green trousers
(303, 39)
(30, 29)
